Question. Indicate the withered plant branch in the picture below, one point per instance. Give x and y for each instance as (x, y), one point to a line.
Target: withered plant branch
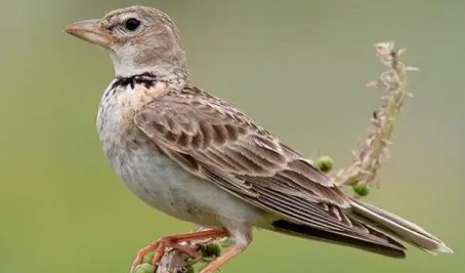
(369, 156)
(174, 262)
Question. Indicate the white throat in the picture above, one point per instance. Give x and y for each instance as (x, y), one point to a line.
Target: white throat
(124, 65)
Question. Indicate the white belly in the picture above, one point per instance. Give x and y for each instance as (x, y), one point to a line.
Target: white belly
(165, 185)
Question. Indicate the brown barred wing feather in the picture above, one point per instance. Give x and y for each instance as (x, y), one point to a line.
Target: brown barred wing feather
(215, 141)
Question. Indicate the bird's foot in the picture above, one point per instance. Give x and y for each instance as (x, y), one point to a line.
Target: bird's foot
(173, 242)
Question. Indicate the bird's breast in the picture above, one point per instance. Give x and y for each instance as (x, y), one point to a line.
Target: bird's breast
(137, 160)
(154, 177)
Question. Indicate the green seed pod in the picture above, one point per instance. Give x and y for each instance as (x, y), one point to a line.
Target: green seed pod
(361, 189)
(144, 268)
(148, 258)
(325, 163)
(211, 250)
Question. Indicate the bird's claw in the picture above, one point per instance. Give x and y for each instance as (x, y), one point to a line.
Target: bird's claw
(160, 247)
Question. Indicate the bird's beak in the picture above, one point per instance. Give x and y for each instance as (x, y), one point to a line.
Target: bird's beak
(91, 31)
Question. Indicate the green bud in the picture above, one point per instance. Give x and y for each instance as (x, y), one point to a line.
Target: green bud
(148, 258)
(144, 268)
(211, 250)
(325, 163)
(361, 189)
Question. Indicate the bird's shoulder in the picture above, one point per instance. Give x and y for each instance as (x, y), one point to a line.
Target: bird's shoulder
(193, 99)
(201, 116)
(213, 131)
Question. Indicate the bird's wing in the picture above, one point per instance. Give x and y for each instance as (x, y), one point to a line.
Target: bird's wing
(214, 141)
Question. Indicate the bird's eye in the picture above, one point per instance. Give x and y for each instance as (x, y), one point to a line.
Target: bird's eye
(132, 24)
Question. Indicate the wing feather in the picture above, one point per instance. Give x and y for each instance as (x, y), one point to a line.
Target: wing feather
(218, 143)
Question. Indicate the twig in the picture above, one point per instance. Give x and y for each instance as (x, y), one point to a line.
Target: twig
(174, 262)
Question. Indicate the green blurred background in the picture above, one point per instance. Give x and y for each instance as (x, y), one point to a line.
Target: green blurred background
(298, 67)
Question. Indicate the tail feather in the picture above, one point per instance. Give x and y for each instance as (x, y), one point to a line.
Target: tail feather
(383, 245)
(369, 228)
(398, 227)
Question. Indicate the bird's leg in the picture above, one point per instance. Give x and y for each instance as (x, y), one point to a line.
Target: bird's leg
(242, 236)
(173, 241)
(215, 265)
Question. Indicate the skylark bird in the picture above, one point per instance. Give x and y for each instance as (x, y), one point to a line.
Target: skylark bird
(198, 158)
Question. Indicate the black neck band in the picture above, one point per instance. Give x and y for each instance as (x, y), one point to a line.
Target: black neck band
(147, 79)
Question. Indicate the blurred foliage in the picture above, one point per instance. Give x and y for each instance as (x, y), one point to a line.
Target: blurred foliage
(286, 64)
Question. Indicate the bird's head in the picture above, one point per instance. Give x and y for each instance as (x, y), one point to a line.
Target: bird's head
(139, 39)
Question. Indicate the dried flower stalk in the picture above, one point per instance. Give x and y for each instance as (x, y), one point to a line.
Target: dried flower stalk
(374, 150)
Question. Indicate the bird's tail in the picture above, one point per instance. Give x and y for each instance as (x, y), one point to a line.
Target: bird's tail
(398, 227)
(371, 229)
